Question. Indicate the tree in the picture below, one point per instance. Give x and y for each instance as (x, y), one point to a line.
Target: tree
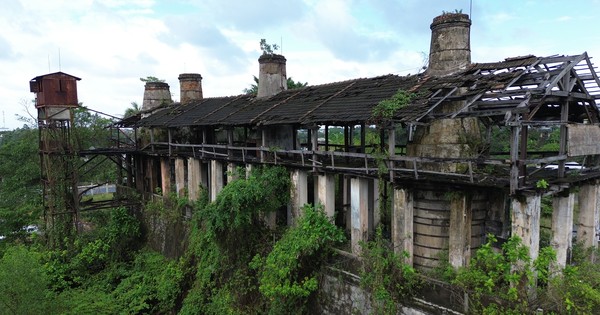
(291, 84)
(151, 79)
(133, 110)
(20, 187)
(267, 49)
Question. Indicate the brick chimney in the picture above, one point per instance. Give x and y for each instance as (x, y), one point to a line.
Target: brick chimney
(448, 137)
(450, 48)
(190, 85)
(156, 94)
(272, 77)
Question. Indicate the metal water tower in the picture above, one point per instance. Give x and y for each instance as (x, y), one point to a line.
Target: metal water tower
(56, 98)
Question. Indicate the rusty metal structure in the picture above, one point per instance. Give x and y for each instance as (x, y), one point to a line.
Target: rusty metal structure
(56, 97)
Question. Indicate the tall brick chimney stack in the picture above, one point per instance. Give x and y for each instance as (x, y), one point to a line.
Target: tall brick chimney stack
(450, 48)
(448, 137)
(156, 94)
(272, 77)
(190, 85)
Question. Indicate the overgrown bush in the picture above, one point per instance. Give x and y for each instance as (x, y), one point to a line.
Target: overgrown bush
(577, 289)
(230, 232)
(500, 282)
(23, 283)
(386, 276)
(288, 274)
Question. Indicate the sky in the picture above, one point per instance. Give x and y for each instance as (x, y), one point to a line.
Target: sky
(111, 44)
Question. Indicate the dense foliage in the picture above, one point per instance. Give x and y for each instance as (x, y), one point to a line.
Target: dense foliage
(288, 274)
(386, 275)
(20, 187)
(501, 282)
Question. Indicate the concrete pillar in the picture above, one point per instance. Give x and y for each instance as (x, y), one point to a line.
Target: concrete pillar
(194, 182)
(299, 194)
(562, 227)
(216, 179)
(402, 222)
(588, 226)
(359, 212)
(165, 173)
(180, 177)
(459, 233)
(326, 193)
(231, 172)
(375, 202)
(248, 170)
(525, 219)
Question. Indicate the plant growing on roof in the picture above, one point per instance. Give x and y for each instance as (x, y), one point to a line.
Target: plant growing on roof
(151, 79)
(267, 49)
(386, 109)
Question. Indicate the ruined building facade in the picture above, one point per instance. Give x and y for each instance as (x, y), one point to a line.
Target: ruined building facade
(444, 185)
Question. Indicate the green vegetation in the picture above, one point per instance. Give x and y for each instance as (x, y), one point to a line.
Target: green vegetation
(386, 109)
(288, 274)
(267, 49)
(291, 84)
(386, 275)
(20, 197)
(151, 79)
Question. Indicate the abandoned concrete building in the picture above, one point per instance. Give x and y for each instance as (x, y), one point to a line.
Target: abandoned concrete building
(434, 160)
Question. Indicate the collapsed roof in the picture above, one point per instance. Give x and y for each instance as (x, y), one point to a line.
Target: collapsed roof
(522, 85)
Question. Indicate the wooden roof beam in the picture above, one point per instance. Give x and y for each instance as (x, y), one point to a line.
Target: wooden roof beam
(567, 68)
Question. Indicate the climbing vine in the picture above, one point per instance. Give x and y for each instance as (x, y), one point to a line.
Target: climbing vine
(288, 274)
(386, 275)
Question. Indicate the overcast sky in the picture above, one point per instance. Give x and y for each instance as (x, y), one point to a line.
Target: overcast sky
(110, 44)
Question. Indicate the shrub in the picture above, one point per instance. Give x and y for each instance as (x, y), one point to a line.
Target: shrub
(288, 275)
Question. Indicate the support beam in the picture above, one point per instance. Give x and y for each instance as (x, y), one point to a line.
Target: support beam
(165, 174)
(402, 222)
(180, 176)
(459, 232)
(525, 216)
(589, 215)
(216, 179)
(299, 194)
(194, 183)
(326, 194)
(359, 207)
(562, 227)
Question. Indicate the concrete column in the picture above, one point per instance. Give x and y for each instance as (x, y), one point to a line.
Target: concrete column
(326, 193)
(525, 219)
(374, 202)
(194, 182)
(459, 233)
(562, 227)
(165, 173)
(248, 170)
(216, 179)
(180, 177)
(589, 215)
(231, 172)
(299, 194)
(402, 222)
(359, 212)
